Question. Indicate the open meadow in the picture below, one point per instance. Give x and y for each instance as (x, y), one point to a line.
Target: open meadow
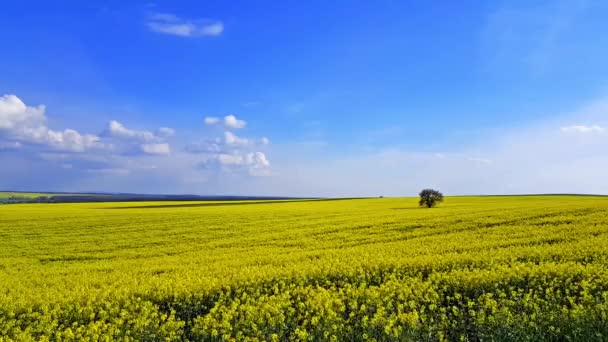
(474, 268)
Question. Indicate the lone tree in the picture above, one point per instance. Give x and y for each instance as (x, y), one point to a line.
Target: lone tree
(430, 198)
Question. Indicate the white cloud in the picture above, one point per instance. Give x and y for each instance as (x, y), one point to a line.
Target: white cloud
(232, 139)
(129, 141)
(25, 124)
(230, 159)
(70, 140)
(205, 146)
(24, 127)
(160, 149)
(231, 121)
(583, 129)
(118, 130)
(165, 132)
(227, 144)
(255, 162)
(132, 154)
(232, 154)
(173, 25)
(538, 159)
(258, 164)
(14, 113)
(211, 120)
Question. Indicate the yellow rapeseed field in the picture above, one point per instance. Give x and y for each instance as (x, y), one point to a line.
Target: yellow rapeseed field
(474, 268)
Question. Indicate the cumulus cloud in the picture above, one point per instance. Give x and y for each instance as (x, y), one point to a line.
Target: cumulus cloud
(14, 113)
(256, 163)
(118, 130)
(160, 149)
(24, 124)
(231, 152)
(232, 139)
(133, 141)
(66, 140)
(583, 129)
(229, 142)
(229, 121)
(171, 24)
(130, 159)
(255, 158)
(539, 158)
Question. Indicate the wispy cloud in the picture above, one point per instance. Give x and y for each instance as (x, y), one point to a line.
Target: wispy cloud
(167, 23)
(160, 149)
(165, 132)
(530, 35)
(211, 120)
(583, 129)
(537, 158)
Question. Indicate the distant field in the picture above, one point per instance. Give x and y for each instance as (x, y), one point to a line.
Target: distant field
(475, 268)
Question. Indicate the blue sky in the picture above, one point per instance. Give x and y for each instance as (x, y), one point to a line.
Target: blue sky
(313, 98)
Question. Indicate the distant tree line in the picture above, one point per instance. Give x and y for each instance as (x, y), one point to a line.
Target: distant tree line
(24, 199)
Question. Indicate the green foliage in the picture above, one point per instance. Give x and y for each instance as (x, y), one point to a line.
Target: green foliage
(430, 198)
(482, 268)
(29, 197)
(17, 197)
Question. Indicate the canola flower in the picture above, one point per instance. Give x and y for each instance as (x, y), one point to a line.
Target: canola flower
(475, 269)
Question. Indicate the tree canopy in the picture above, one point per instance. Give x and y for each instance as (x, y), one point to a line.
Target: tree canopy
(430, 198)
